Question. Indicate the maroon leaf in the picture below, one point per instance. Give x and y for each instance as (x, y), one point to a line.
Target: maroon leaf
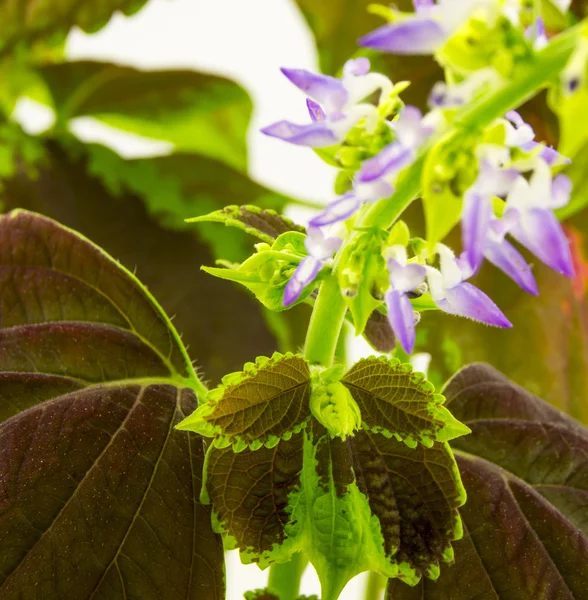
(99, 493)
(525, 470)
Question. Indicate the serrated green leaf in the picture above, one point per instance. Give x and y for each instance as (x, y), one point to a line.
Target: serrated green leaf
(266, 224)
(198, 113)
(260, 405)
(525, 470)
(368, 503)
(93, 378)
(398, 402)
(30, 21)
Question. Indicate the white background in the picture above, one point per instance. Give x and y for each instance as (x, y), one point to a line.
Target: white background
(247, 41)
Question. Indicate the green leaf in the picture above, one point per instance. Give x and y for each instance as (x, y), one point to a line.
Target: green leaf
(547, 347)
(266, 224)
(30, 21)
(267, 272)
(266, 402)
(198, 113)
(224, 326)
(525, 470)
(368, 503)
(397, 402)
(93, 378)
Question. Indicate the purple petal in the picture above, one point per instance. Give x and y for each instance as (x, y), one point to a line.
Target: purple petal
(561, 188)
(541, 233)
(509, 260)
(549, 155)
(357, 66)
(495, 181)
(405, 278)
(339, 210)
(420, 4)
(515, 118)
(475, 221)
(315, 111)
(304, 274)
(417, 35)
(465, 300)
(318, 245)
(390, 160)
(401, 317)
(314, 135)
(325, 89)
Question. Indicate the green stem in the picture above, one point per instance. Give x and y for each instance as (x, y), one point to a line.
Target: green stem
(547, 64)
(284, 579)
(375, 585)
(325, 323)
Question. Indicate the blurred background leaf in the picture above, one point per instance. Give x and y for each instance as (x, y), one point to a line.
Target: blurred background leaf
(30, 20)
(196, 112)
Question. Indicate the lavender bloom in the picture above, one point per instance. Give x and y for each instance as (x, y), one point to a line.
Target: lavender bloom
(319, 248)
(411, 131)
(376, 176)
(422, 32)
(452, 294)
(334, 104)
(529, 209)
(536, 34)
(483, 237)
(459, 94)
(404, 278)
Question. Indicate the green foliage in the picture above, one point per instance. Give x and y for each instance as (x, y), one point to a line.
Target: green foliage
(525, 521)
(265, 224)
(29, 21)
(349, 500)
(94, 378)
(396, 402)
(266, 402)
(267, 272)
(198, 113)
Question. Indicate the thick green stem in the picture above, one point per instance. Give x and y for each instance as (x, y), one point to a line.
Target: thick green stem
(284, 579)
(325, 324)
(375, 586)
(547, 64)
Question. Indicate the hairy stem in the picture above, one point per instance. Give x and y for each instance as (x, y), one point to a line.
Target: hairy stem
(284, 579)
(325, 323)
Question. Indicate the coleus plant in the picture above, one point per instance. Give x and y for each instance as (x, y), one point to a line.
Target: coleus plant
(121, 471)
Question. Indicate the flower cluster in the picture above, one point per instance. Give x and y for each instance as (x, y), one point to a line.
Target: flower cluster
(513, 194)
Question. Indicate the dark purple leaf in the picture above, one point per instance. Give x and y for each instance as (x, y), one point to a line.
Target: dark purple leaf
(98, 491)
(525, 470)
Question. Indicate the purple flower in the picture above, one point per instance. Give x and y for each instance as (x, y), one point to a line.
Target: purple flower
(411, 131)
(529, 209)
(319, 249)
(334, 104)
(422, 32)
(458, 94)
(404, 278)
(452, 294)
(483, 237)
(536, 34)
